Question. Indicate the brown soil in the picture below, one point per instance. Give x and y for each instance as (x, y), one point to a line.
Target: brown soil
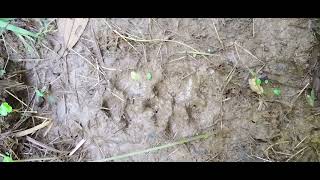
(188, 94)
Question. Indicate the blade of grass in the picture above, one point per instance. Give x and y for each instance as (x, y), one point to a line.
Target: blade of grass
(203, 136)
(15, 29)
(26, 45)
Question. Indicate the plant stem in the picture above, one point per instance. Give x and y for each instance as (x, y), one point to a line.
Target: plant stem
(203, 136)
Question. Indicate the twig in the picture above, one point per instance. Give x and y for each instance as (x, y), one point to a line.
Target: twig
(215, 29)
(203, 136)
(33, 141)
(241, 60)
(296, 154)
(48, 129)
(177, 59)
(153, 40)
(36, 159)
(77, 147)
(300, 142)
(32, 130)
(252, 27)
(247, 51)
(27, 60)
(300, 93)
(274, 145)
(17, 98)
(87, 61)
(188, 75)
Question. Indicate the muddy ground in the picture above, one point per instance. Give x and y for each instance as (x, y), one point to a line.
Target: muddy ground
(200, 71)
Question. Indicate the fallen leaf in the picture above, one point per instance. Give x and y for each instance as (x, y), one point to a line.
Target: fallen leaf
(71, 30)
(256, 87)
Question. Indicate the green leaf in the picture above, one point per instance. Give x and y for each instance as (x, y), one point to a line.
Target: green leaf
(149, 76)
(135, 76)
(277, 91)
(7, 159)
(266, 81)
(39, 93)
(15, 29)
(258, 81)
(2, 72)
(311, 98)
(5, 108)
(6, 19)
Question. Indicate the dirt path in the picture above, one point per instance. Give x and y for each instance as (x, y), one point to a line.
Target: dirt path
(199, 84)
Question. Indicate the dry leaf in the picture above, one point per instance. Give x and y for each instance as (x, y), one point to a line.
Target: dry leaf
(71, 30)
(255, 87)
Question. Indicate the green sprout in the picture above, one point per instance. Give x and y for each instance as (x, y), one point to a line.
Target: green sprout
(258, 81)
(5, 109)
(149, 76)
(135, 76)
(277, 91)
(266, 81)
(2, 72)
(311, 98)
(7, 158)
(5, 24)
(41, 92)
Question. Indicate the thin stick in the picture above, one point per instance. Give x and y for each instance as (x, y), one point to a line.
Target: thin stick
(153, 40)
(300, 93)
(26, 60)
(187, 75)
(198, 53)
(252, 27)
(116, 96)
(123, 37)
(83, 58)
(300, 142)
(241, 60)
(32, 130)
(203, 136)
(177, 59)
(48, 129)
(36, 159)
(110, 69)
(33, 141)
(296, 154)
(87, 61)
(215, 29)
(16, 98)
(247, 51)
(4, 42)
(261, 158)
(77, 147)
(275, 144)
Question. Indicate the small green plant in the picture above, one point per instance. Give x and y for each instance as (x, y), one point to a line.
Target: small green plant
(255, 85)
(149, 76)
(2, 72)
(135, 76)
(277, 91)
(258, 81)
(5, 109)
(46, 27)
(41, 93)
(5, 24)
(311, 98)
(7, 158)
